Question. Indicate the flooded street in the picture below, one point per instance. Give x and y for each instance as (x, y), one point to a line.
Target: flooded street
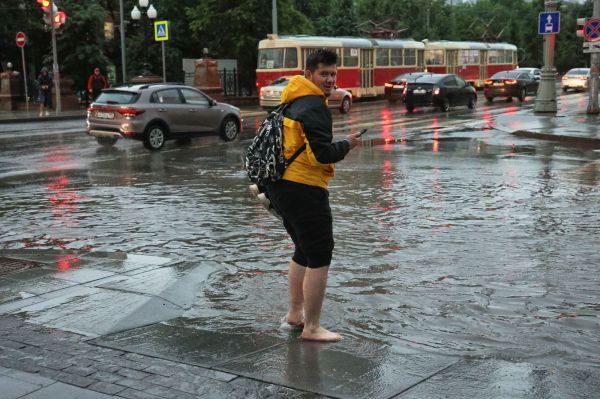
(450, 237)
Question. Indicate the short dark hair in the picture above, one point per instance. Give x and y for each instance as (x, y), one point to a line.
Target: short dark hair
(322, 56)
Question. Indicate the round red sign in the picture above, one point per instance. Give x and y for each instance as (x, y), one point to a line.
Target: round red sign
(20, 39)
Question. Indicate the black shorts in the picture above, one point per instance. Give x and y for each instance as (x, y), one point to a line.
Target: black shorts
(307, 218)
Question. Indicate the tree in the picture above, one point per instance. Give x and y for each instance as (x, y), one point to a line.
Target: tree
(233, 28)
(341, 20)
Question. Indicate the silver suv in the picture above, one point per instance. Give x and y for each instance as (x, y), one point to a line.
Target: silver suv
(154, 113)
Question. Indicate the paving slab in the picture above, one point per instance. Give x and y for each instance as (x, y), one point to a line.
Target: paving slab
(190, 345)
(504, 379)
(13, 388)
(65, 391)
(93, 312)
(353, 368)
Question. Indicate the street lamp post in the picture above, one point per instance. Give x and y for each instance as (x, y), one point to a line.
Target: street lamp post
(122, 31)
(151, 13)
(55, 69)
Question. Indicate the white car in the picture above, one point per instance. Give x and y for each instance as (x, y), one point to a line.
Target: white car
(536, 72)
(270, 96)
(576, 78)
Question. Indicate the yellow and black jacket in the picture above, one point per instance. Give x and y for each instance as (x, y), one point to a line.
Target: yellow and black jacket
(308, 121)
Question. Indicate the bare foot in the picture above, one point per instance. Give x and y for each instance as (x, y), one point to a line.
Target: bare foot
(296, 320)
(320, 334)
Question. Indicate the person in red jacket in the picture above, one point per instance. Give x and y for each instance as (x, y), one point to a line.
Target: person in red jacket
(96, 83)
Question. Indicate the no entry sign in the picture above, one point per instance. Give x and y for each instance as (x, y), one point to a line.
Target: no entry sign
(20, 39)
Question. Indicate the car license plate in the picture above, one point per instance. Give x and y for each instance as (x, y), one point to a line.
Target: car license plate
(419, 91)
(398, 87)
(498, 84)
(105, 115)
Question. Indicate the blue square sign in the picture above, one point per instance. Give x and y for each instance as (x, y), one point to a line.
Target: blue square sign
(549, 23)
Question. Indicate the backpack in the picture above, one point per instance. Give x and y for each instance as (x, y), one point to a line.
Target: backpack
(264, 158)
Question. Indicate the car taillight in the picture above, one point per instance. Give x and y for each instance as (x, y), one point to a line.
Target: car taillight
(389, 85)
(565, 77)
(130, 112)
(584, 77)
(488, 82)
(262, 91)
(436, 90)
(510, 82)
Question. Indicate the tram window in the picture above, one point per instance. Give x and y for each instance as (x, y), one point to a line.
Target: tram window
(338, 51)
(495, 57)
(508, 57)
(434, 57)
(396, 56)
(350, 57)
(382, 57)
(410, 56)
(291, 58)
(468, 57)
(270, 58)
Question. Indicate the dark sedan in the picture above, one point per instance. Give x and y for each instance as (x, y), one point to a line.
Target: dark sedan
(510, 84)
(442, 90)
(394, 89)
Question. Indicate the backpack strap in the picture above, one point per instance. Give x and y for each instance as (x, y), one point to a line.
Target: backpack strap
(299, 150)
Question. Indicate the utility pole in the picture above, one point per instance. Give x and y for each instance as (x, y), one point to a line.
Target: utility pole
(274, 17)
(545, 101)
(55, 70)
(592, 107)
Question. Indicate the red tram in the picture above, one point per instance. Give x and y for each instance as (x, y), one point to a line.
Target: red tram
(364, 65)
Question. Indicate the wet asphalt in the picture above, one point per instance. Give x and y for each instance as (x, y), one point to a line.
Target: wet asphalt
(465, 265)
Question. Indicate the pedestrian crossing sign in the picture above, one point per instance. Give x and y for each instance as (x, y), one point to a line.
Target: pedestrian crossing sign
(161, 31)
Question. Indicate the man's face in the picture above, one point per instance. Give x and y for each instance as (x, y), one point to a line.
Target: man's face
(324, 77)
(97, 71)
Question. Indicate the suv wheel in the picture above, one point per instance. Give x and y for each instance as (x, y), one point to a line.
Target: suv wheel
(229, 129)
(155, 137)
(410, 107)
(523, 95)
(106, 141)
(489, 99)
(345, 108)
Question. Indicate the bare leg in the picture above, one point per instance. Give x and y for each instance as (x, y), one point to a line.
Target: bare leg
(315, 282)
(295, 314)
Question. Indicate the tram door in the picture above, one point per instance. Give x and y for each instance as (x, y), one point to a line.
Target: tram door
(366, 72)
(451, 61)
(483, 68)
(420, 60)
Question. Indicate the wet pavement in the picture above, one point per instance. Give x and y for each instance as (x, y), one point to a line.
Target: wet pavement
(466, 265)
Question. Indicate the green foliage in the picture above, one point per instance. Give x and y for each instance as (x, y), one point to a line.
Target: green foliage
(81, 41)
(341, 20)
(233, 28)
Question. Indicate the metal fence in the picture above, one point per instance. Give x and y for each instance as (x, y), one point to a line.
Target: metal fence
(232, 82)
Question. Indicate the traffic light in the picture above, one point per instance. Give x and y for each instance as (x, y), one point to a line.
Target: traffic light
(60, 18)
(581, 24)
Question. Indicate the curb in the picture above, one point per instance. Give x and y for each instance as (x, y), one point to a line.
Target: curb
(42, 119)
(584, 141)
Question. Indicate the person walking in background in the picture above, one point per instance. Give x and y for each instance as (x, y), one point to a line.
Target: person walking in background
(301, 197)
(96, 83)
(44, 82)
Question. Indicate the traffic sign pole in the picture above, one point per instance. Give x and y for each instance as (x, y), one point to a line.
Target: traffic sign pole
(545, 100)
(21, 39)
(164, 63)
(25, 78)
(161, 34)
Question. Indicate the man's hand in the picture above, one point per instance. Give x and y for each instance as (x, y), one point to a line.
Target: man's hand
(354, 139)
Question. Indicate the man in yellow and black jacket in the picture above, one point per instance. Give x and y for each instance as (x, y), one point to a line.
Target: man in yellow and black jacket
(301, 197)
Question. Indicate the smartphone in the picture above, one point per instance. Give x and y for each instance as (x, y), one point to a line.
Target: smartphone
(362, 132)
